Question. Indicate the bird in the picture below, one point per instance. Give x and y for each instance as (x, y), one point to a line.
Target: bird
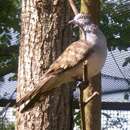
(90, 48)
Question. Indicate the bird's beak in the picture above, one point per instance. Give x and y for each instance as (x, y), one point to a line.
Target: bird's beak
(73, 22)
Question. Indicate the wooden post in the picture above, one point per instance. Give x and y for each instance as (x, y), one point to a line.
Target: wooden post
(92, 110)
(82, 103)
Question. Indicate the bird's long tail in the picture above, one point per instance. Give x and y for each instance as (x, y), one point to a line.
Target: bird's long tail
(45, 85)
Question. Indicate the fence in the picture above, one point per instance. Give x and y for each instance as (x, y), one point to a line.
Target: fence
(7, 115)
(115, 116)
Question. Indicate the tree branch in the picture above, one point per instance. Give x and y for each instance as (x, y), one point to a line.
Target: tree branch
(75, 10)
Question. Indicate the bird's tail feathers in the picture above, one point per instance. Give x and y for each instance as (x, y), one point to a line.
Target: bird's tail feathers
(43, 86)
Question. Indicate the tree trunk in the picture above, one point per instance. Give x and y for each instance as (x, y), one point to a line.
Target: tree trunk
(92, 110)
(44, 35)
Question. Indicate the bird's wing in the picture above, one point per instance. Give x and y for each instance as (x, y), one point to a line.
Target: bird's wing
(34, 92)
(72, 56)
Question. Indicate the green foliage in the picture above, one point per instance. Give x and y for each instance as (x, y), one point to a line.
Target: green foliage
(5, 122)
(9, 30)
(77, 119)
(9, 16)
(5, 125)
(115, 23)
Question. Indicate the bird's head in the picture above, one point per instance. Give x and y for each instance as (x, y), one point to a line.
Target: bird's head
(84, 22)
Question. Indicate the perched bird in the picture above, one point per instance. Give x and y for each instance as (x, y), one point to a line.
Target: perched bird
(91, 48)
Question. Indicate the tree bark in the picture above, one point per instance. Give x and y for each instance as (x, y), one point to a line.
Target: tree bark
(92, 110)
(44, 35)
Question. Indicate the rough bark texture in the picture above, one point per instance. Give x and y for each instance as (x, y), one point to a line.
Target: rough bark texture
(92, 110)
(44, 35)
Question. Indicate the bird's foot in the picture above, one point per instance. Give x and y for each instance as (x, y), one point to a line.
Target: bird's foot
(96, 93)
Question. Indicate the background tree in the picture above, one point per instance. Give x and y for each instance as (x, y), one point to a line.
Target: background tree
(44, 35)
